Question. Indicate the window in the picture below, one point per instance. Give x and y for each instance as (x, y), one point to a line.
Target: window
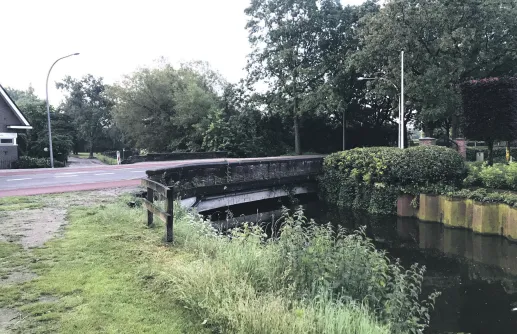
(6, 141)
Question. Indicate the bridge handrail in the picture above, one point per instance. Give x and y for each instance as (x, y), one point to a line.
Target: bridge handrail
(155, 189)
(217, 177)
(223, 172)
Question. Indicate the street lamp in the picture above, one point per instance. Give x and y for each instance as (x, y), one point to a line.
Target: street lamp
(401, 99)
(48, 110)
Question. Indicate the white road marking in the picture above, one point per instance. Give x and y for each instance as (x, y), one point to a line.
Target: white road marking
(138, 171)
(70, 173)
(19, 179)
(128, 168)
(104, 174)
(66, 175)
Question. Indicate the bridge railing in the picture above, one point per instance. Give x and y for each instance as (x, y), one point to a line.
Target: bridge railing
(203, 179)
(161, 192)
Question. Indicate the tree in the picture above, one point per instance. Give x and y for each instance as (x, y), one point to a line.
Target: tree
(446, 43)
(239, 128)
(34, 141)
(283, 36)
(163, 108)
(88, 105)
(490, 110)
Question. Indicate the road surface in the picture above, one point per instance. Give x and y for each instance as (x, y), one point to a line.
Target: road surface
(81, 175)
(84, 174)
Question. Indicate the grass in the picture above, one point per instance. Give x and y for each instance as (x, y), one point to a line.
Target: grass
(97, 275)
(105, 159)
(112, 274)
(19, 203)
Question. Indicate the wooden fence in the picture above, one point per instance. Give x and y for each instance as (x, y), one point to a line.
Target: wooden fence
(161, 192)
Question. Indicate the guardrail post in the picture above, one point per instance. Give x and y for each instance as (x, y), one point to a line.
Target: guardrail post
(150, 198)
(169, 208)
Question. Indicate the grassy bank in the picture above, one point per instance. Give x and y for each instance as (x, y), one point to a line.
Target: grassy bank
(109, 273)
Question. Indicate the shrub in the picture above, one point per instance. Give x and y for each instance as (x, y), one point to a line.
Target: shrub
(30, 162)
(309, 279)
(369, 178)
(498, 176)
(425, 165)
(493, 176)
(473, 178)
(511, 176)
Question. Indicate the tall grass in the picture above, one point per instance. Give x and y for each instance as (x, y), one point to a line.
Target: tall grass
(308, 279)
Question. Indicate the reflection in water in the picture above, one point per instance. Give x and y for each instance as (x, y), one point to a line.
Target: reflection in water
(476, 274)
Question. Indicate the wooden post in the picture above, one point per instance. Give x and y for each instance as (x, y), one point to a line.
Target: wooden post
(150, 198)
(169, 208)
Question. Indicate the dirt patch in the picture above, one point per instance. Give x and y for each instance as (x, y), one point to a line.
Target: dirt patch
(32, 228)
(8, 317)
(47, 299)
(17, 277)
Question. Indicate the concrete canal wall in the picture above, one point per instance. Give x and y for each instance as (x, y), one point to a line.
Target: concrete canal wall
(483, 218)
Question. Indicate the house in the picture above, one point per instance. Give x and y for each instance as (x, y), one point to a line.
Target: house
(12, 121)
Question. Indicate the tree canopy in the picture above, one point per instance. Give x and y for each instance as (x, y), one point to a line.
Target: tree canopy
(89, 106)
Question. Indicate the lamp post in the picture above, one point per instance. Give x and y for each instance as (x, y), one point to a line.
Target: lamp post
(401, 97)
(48, 110)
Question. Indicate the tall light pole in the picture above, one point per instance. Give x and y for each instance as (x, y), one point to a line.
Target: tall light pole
(400, 135)
(48, 110)
(401, 121)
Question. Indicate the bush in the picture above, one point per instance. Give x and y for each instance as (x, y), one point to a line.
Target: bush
(370, 178)
(309, 279)
(30, 162)
(493, 176)
(427, 165)
(498, 176)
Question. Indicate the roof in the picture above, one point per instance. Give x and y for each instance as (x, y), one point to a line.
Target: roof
(15, 109)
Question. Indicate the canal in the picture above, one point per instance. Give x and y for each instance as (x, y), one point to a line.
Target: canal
(476, 274)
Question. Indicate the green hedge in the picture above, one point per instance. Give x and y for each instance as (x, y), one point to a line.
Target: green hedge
(371, 178)
(499, 153)
(30, 162)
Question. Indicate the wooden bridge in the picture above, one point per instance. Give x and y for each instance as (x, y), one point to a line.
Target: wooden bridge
(207, 186)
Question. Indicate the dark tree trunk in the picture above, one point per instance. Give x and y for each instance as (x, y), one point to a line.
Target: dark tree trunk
(406, 137)
(490, 158)
(455, 133)
(91, 149)
(297, 146)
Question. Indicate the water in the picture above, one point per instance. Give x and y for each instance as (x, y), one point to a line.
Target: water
(476, 274)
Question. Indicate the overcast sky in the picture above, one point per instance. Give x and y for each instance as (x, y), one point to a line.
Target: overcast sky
(115, 37)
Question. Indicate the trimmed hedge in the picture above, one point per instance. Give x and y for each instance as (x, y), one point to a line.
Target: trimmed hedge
(30, 162)
(371, 178)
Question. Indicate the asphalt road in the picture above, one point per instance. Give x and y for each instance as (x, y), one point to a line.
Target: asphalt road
(84, 174)
(79, 176)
